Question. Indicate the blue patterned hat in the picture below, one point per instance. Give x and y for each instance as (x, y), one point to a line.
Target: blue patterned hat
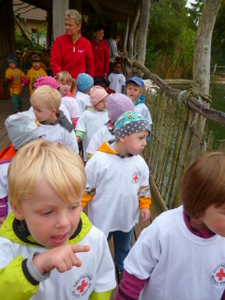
(84, 82)
(130, 122)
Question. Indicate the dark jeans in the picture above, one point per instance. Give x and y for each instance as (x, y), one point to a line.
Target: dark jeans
(122, 245)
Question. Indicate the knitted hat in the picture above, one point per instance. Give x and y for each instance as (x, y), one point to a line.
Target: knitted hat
(35, 58)
(22, 128)
(117, 104)
(12, 59)
(97, 93)
(136, 80)
(84, 82)
(130, 122)
(46, 80)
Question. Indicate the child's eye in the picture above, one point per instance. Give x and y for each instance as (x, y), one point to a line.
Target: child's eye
(46, 213)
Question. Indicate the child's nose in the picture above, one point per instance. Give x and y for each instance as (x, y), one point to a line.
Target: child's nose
(63, 220)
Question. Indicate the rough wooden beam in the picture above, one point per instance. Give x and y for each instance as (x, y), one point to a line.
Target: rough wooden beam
(96, 6)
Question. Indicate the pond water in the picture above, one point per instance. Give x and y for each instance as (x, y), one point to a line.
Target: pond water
(217, 91)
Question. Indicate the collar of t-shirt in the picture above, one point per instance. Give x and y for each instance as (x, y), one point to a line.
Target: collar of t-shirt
(203, 233)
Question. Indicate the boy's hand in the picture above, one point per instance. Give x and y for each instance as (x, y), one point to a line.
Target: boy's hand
(62, 258)
(145, 214)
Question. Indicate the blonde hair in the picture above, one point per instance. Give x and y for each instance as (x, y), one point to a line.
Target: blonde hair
(48, 95)
(74, 14)
(203, 184)
(64, 76)
(42, 159)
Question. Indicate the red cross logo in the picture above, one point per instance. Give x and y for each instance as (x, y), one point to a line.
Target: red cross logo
(220, 274)
(135, 178)
(82, 286)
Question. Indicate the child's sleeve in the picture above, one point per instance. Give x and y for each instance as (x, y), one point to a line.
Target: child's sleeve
(144, 194)
(81, 126)
(91, 171)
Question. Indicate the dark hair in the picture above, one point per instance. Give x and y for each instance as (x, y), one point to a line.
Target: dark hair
(99, 27)
(203, 184)
(117, 62)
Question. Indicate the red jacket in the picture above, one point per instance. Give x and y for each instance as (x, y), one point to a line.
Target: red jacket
(74, 58)
(102, 57)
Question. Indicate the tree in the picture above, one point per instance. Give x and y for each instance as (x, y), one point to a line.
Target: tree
(203, 39)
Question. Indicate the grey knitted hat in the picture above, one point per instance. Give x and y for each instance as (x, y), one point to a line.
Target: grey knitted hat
(13, 59)
(117, 104)
(22, 128)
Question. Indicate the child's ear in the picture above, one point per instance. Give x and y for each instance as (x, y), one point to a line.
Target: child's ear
(121, 139)
(54, 110)
(16, 209)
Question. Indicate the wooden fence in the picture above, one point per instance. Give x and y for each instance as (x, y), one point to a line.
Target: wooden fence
(179, 135)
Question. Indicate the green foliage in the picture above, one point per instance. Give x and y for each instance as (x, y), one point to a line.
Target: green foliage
(170, 44)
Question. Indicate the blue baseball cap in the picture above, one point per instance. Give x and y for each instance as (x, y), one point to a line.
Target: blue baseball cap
(136, 80)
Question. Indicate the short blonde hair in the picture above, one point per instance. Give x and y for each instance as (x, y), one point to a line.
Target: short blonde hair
(74, 14)
(42, 159)
(48, 95)
(65, 76)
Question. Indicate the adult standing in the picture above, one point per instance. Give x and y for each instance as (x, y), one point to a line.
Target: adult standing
(70, 51)
(112, 43)
(101, 55)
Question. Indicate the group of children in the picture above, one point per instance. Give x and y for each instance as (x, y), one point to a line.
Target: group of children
(57, 251)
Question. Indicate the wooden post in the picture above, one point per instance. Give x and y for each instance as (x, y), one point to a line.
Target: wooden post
(126, 36)
(214, 71)
(132, 31)
(58, 11)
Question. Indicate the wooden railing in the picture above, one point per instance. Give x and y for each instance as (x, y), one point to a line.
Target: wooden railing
(179, 135)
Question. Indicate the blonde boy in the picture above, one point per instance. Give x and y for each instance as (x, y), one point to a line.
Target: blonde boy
(118, 184)
(38, 241)
(46, 101)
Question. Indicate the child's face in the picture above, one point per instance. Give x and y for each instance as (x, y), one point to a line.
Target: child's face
(36, 65)
(50, 220)
(12, 66)
(101, 105)
(135, 142)
(42, 112)
(64, 88)
(213, 219)
(117, 68)
(133, 91)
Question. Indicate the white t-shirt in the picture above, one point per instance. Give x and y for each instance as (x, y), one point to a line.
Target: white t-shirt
(83, 101)
(103, 134)
(116, 81)
(72, 106)
(96, 273)
(143, 110)
(117, 180)
(89, 122)
(180, 265)
(57, 133)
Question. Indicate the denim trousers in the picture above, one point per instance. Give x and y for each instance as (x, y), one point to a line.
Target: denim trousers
(122, 245)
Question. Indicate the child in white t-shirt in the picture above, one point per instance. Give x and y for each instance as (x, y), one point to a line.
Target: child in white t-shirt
(181, 254)
(117, 79)
(67, 86)
(117, 188)
(84, 84)
(116, 104)
(51, 246)
(134, 89)
(46, 101)
(92, 119)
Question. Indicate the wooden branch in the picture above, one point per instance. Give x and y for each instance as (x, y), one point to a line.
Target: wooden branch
(209, 113)
(22, 31)
(96, 6)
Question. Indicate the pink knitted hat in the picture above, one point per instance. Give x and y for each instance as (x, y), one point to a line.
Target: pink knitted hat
(117, 104)
(46, 80)
(97, 93)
